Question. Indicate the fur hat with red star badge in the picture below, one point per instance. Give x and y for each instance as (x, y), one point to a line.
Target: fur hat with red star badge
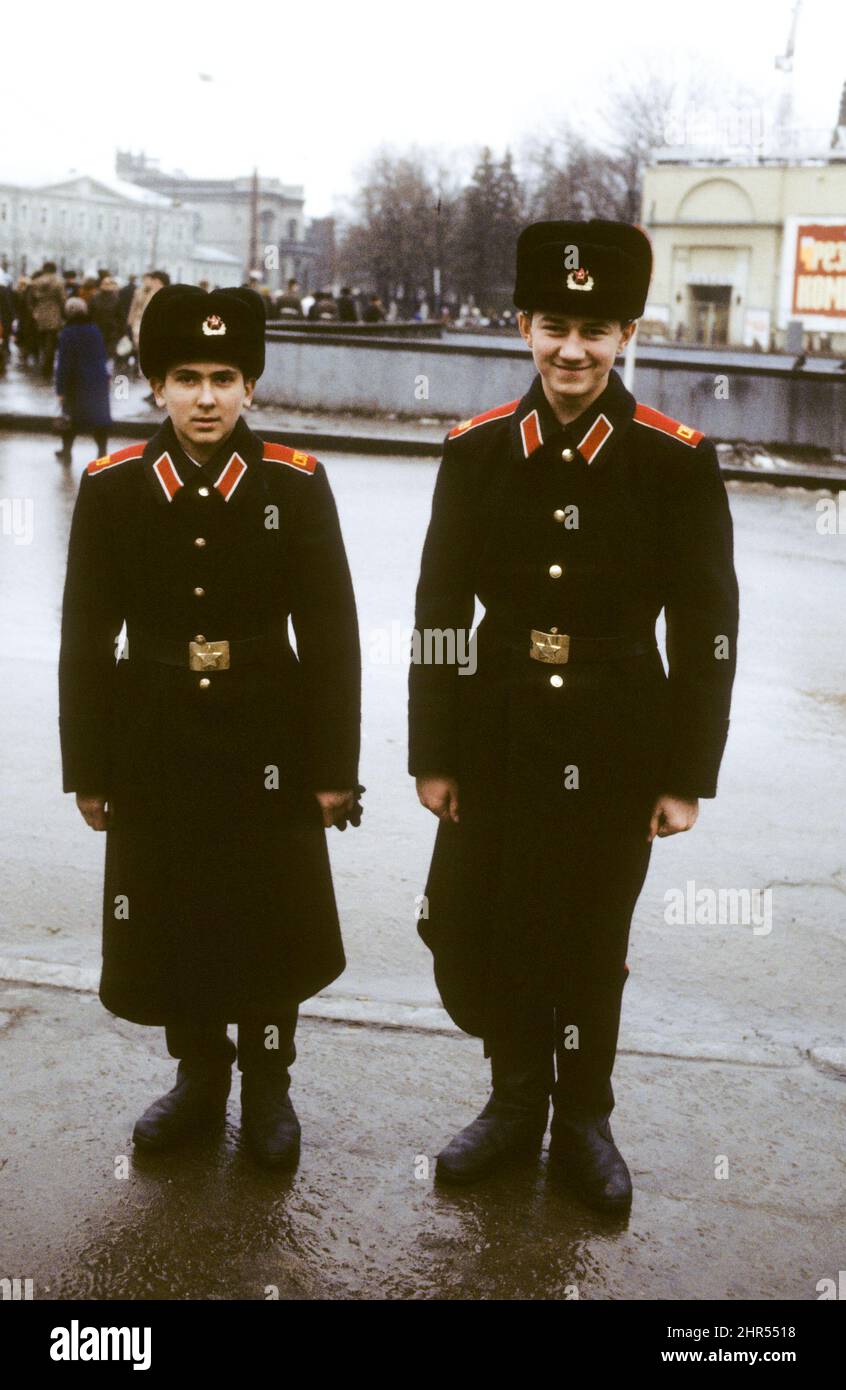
(183, 323)
(589, 269)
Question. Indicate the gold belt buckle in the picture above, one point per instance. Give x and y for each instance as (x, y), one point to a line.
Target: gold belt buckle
(551, 646)
(208, 656)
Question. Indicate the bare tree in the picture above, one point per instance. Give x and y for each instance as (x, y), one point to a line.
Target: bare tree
(395, 237)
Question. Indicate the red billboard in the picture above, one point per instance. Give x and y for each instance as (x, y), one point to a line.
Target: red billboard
(819, 272)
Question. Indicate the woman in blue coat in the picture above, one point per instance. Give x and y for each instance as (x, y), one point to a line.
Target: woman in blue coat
(82, 381)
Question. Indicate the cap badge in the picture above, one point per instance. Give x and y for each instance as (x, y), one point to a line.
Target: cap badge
(580, 279)
(214, 326)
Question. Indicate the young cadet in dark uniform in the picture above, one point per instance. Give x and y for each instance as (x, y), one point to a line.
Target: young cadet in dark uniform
(575, 515)
(212, 755)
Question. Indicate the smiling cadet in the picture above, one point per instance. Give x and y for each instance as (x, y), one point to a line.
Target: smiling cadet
(575, 515)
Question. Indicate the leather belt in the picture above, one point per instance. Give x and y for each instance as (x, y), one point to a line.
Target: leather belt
(203, 655)
(560, 649)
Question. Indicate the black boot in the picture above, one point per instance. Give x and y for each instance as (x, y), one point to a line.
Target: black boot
(582, 1152)
(501, 1134)
(584, 1157)
(269, 1122)
(512, 1125)
(196, 1104)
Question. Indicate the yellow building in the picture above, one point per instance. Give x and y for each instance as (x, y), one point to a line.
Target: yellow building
(741, 250)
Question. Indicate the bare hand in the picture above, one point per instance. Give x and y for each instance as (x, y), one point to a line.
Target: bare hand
(93, 811)
(336, 807)
(440, 796)
(671, 815)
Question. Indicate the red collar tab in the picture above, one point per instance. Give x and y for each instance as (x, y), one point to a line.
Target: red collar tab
(654, 420)
(497, 413)
(134, 451)
(530, 433)
(591, 443)
(231, 476)
(167, 475)
(294, 458)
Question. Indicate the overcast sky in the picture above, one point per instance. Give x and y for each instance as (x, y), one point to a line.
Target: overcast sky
(308, 93)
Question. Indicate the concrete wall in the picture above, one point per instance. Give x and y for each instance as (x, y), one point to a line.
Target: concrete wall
(767, 404)
(763, 408)
(390, 376)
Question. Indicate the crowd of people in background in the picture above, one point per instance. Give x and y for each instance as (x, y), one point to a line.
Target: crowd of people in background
(79, 332)
(350, 306)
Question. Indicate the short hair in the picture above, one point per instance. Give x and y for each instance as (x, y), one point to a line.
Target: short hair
(50, 267)
(160, 275)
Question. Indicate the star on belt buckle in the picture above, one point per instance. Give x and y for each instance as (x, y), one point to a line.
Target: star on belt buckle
(208, 656)
(553, 647)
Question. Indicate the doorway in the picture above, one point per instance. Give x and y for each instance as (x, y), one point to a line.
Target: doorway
(708, 314)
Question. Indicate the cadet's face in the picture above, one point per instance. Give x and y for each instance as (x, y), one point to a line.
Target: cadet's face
(573, 355)
(204, 401)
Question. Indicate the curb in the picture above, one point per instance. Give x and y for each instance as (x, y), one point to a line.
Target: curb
(361, 1012)
(329, 441)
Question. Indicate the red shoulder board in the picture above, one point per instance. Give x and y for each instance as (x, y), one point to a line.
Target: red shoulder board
(295, 458)
(654, 420)
(498, 413)
(134, 451)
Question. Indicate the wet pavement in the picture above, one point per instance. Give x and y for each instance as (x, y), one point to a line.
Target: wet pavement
(84, 1218)
(732, 1040)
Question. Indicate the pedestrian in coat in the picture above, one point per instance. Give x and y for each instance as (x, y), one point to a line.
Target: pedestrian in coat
(106, 311)
(126, 294)
(82, 380)
(150, 285)
(46, 299)
(325, 306)
(26, 333)
(214, 757)
(555, 747)
(347, 307)
(289, 305)
(7, 318)
(374, 311)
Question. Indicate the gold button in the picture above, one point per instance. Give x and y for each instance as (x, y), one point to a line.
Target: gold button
(558, 514)
(204, 682)
(203, 491)
(557, 681)
(199, 592)
(555, 571)
(567, 455)
(201, 540)
(199, 637)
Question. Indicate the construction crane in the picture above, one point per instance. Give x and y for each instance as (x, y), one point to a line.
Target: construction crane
(784, 64)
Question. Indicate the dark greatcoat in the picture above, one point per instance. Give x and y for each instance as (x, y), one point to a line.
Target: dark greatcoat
(530, 895)
(226, 877)
(82, 376)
